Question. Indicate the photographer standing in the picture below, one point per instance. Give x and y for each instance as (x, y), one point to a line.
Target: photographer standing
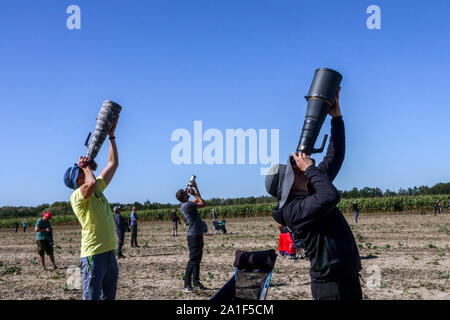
(307, 205)
(197, 227)
(99, 269)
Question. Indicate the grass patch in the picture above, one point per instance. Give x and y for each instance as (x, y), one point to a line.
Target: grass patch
(12, 270)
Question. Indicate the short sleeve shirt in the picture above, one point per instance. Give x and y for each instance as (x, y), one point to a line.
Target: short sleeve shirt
(43, 224)
(96, 219)
(192, 217)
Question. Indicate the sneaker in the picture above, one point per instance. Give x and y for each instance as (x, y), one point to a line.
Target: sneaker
(199, 286)
(188, 289)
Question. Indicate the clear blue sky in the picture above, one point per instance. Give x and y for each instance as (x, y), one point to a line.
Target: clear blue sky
(232, 64)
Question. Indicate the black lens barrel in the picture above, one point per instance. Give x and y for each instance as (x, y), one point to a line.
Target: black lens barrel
(321, 97)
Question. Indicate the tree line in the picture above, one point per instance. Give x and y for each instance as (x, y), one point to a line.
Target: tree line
(368, 192)
(64, 208)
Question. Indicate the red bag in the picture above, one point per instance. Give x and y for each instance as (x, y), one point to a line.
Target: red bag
(286, 244)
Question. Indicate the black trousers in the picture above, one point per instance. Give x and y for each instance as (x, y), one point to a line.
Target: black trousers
(134, 236)
(120, 240)
(195, 244)
(349, 289)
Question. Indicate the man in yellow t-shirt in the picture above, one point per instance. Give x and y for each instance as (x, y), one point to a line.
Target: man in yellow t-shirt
(99, 268)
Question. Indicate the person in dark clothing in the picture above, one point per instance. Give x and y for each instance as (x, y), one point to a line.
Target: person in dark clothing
(356, 211)
(307, 205)
(197, 227)
(17, 227)
(121, 229)
(435, 207)
(134, 227)
(175, 221)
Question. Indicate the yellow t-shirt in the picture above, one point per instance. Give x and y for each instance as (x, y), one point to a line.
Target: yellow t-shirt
(96, 219)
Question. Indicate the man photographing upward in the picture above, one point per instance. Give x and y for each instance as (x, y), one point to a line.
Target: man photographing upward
(197, 227)
(98, 239)
(307, 206)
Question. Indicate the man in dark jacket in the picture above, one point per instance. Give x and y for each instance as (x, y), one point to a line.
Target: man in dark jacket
(307, 206)
(121, 228)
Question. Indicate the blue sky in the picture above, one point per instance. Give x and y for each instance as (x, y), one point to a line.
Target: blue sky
(231, 64)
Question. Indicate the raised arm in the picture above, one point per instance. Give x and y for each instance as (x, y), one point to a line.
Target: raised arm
(113, 157)
(90, 183)
(316, 205)
(196, 193)
(334, 158)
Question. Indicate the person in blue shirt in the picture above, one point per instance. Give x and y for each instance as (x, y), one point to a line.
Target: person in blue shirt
(133, 220)
(24, 225)
(44, 238)
(121, 228)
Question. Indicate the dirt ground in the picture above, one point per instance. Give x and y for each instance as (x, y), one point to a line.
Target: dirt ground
(405, 256)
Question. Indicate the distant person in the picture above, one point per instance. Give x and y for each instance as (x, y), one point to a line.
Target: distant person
(439, 207)
(17, 227)
(99, 269)
(44, 238)
(218, 226)
(134, 227)
(24, 225)
(121, 229)
(356, 211)
(435, 207)
(214, 215)
(197, 228)
(448, 204)
(175, 222)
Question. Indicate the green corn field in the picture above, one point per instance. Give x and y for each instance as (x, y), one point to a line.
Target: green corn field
(382, 204)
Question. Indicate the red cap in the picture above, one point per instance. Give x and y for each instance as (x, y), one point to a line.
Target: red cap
(48, 215)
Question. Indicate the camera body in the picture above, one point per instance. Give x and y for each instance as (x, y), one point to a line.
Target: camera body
(190, 184)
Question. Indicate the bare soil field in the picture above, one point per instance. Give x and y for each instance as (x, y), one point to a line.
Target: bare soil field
(404, 256)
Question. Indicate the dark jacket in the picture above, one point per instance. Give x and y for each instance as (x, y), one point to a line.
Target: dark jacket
(121, 225)
(318, 223)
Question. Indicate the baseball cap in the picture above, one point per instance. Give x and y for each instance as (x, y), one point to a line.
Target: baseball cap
(116, 208)
(70, 177)
(48, 215)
